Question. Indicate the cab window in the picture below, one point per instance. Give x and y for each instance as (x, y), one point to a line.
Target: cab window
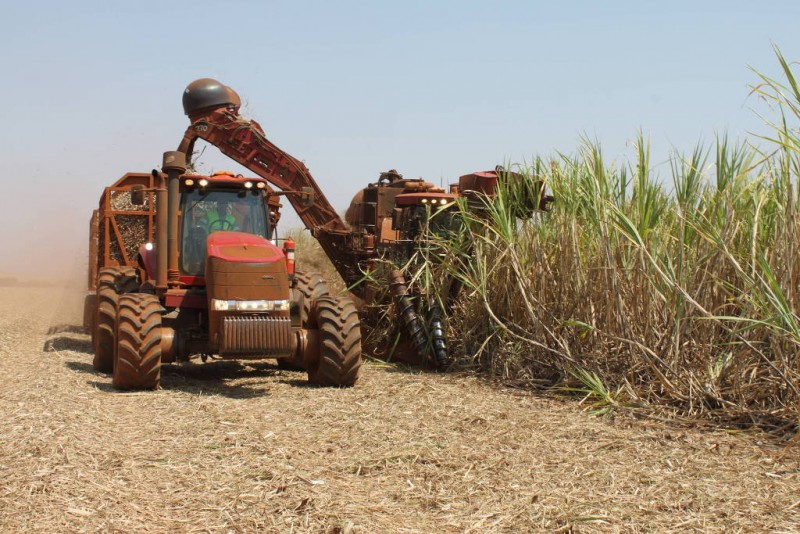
(206, 211)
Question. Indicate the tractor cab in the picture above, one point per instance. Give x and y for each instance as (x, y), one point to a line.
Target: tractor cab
(220, 203)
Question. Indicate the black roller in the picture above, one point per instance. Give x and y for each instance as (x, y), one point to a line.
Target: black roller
(404, 304)
(441, 356)
(207, 93)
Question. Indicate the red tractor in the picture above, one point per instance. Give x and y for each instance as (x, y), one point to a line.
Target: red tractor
(184, 265)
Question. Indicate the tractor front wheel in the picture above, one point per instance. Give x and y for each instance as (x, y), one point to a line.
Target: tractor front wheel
(312, 286)
(137, 357)
(338, 359)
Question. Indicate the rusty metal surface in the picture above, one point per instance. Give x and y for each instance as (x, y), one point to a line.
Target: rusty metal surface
(118, 228)
(184, 298)
(94, 264)
(478, 182)
(244, 141)
(256, 336)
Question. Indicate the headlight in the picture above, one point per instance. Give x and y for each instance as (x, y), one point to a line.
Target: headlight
(220, 305)
(203, 182)
(250, 305)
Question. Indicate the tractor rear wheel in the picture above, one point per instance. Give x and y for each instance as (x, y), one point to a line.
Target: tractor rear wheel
(89, 313)
(338, 358)
(103, 339)
(110, 282)
(137, 356)
(312, 286)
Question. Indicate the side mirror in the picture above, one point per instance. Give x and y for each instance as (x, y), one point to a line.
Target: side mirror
(137, 195)
(307, 193)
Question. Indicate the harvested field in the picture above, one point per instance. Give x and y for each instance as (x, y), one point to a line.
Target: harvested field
(230, 447)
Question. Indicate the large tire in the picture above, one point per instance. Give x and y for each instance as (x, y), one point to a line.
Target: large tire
(108, 277)
(312, 286)
(110, 282)
(338, 359)
(89, 313)
(123, 279)
(105, 278)
(137, 357)
(105, 325)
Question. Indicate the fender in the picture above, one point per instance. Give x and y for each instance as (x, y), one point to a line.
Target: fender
(147, 261)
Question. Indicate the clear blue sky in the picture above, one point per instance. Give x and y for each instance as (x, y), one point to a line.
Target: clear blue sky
(91, 90)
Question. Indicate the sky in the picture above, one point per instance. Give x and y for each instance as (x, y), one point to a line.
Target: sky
(92, 90)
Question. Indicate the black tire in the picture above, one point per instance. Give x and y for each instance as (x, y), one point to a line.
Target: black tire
(123, 279)
(109, 282)
(105, 278)
(338, 359)
(105, 325)
(312, 286)
(89, 313)
(137, 357)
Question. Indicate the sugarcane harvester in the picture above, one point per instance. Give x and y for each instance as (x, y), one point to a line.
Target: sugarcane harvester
(184, 265)
(383, 220)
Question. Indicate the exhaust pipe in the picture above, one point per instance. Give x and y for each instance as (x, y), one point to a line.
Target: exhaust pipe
(174, 164)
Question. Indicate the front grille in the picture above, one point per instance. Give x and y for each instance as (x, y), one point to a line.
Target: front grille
(255, 335)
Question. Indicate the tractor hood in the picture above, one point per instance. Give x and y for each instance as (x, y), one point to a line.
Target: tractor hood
(242, 248)
(243, 266)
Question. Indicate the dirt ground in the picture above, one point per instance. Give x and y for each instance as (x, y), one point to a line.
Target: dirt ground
(225, 447)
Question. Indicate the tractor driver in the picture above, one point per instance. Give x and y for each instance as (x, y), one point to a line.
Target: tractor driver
(220, 219)
(217, 216)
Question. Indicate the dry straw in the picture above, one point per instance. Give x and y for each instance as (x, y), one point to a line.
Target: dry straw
(246, 447)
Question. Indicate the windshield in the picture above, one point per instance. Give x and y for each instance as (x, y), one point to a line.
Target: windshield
(207, 211)
(439, 222)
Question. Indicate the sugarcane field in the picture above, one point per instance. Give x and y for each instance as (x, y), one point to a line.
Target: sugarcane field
(400, 268)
